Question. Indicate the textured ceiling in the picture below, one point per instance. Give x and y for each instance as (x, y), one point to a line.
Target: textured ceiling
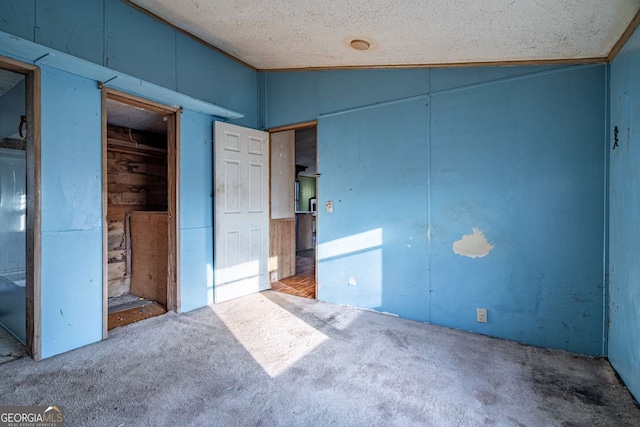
(277, 34)
(8, 80)
(127, 116)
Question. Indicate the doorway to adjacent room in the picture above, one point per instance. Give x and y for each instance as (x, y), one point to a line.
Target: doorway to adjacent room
(20, 230)
(293, 257)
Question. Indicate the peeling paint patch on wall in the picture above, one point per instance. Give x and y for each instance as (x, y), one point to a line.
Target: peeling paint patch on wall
(473, 245)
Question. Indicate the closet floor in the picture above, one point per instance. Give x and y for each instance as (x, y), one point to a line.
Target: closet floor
(127, 308)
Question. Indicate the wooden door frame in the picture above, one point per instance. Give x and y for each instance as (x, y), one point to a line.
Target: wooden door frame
(298, 126)
(33, 287)
(173, 185)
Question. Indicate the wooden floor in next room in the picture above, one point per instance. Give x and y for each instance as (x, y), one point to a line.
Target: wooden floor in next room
(303, 284)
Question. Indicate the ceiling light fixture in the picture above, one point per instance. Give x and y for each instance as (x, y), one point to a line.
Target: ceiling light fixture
(359, 44)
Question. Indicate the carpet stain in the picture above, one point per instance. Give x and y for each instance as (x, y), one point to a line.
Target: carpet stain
(487, 397)
(550, 384)
(397, 339)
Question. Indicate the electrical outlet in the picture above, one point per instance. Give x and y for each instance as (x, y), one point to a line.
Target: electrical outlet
(482, 315)
(329, 206)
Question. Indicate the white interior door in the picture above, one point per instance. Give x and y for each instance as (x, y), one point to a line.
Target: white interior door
(241, 214)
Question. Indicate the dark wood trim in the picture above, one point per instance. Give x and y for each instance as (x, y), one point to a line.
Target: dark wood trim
(271, 238)
(186, 33)
(10, 64)
(176, 224)
(173, 276)
(136, 101)
(296, 126)
(33, 287)
(105, 223)
(575, 61)
(624, 38)
(34, 216)
(270, 166)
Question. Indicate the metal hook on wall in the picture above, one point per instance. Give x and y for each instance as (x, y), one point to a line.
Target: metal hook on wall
(23, 121)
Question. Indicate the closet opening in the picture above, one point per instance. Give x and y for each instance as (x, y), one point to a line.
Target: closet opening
(140, 205)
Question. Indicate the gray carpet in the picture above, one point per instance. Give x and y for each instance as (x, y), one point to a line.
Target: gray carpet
(273, 359)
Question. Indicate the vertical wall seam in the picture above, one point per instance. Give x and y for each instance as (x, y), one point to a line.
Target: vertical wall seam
(265, 110)
(175, 61)
(105, 62)
(428, 136)
(260, 121)
(605, 240)
(35, 20)
(317, 94)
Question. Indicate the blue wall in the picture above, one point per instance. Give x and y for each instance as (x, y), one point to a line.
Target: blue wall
(71, 212)
(112, 34)
(522, 160)
(374, 168)
(517, 152)
(624, 208)
(196, 210)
